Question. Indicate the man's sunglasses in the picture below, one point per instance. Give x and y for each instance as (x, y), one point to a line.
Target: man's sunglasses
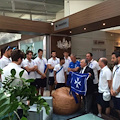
(8, 48)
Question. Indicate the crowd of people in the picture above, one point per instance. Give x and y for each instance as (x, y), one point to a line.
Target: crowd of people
(103, 85)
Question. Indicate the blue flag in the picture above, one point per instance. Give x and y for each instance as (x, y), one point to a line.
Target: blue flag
(78, 84)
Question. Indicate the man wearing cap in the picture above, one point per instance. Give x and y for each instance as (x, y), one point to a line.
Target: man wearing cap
(105, 81)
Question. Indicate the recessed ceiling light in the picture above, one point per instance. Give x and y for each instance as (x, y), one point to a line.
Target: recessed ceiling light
(70, 31)
(52, 23)
(103, 24)
(84, 28)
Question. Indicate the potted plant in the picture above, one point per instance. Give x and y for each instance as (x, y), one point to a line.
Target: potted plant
(12, 97)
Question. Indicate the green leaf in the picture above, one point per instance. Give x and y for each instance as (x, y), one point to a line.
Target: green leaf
(23, 79)
(21, 73)
(23, 118)
(4, 110)
(47, 111)
(6, 118)
(1, 71)
(3, 107)
(13, 72)
(11, 103)
(13, 107)
(1, 95)
(4, 100)
(39, 97)
(30, 80)
(10, 116)
(45, 104)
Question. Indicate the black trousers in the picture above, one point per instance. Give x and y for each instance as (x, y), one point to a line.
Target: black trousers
(20, 113)
(88, 103)
(59, 85)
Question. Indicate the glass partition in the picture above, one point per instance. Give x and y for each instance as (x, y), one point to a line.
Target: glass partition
(34, 44)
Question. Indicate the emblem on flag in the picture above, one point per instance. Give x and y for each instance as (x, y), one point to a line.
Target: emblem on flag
(78, 83)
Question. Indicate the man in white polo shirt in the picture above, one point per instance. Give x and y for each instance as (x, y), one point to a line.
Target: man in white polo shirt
(17, 56)
(60, 74)
(30, 66)
(5, 60)
(41, 63)
(115, 89)
(105, 81)
(51, 64)
(67, 60)
(93, 64)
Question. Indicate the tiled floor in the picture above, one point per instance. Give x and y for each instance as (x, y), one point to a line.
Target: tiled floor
(65, 117)
(47, 93)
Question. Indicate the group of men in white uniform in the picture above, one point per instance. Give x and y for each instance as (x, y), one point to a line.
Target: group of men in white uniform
(37, 68)
(104, 83)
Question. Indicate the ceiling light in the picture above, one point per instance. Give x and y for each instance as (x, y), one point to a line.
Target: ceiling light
(103, 24)
(84, 28)
(70, 31)
(52, 24)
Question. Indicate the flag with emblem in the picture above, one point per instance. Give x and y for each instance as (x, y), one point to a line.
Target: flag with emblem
(79, 83)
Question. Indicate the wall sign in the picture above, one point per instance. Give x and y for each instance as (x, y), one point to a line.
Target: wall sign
(98, 42)
(61, 24)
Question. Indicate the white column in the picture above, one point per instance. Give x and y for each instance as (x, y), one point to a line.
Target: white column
(48, 46)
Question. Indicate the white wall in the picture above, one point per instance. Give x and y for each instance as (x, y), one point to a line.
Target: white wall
(73, 6)
(59, 15)
(83, 43)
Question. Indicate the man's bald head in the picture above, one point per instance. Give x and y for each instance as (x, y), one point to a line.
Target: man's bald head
(103, 62)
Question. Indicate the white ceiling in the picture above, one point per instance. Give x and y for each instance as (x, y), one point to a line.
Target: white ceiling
(37, 10)
(43, 10)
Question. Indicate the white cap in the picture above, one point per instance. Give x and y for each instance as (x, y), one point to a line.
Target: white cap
(106, 96)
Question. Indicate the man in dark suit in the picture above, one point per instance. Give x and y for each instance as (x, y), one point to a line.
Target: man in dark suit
(90, 88)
